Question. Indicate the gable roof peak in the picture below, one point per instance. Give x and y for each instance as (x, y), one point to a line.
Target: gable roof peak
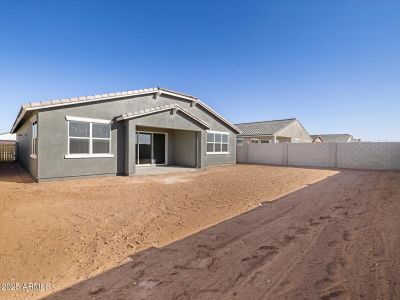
(264, 127)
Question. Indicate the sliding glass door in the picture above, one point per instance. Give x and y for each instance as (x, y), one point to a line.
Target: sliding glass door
(159, 148)
(144, 148)
(150, 148)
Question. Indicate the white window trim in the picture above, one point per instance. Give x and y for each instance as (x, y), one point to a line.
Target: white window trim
(34, 139)
(90, 138)
(227, 143)
(88, 155)
(88, 120)
(221, 132)
(216, 153)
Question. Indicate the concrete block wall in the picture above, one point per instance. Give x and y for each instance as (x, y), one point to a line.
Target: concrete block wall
(241, 151)
(312, 155)
(257, 152)
(368, 156)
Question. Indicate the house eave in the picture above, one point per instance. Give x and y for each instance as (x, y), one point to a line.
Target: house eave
(159, 109)
(110, 96)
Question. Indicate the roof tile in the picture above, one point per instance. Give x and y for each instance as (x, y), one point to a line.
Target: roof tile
(264, 127)
(36, 104)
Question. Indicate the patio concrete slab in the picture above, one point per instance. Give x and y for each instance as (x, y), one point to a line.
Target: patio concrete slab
(153, 170)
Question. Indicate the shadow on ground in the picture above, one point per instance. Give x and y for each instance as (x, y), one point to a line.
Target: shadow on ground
(14, 172)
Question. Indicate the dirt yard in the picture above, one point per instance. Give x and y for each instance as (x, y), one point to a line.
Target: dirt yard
(235, 232)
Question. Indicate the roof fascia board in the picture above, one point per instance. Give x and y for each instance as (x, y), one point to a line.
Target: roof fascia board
(21, 114)
(177, 95)
(162, 110)
(121, 118)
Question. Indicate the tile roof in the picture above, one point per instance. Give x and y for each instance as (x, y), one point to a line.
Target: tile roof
(152, 110)
(99, 97)
(263, 127)
(334, 138)
(108, 96)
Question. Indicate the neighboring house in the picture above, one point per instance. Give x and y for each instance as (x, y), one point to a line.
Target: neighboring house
(336, 138)
(276, 131)
(112, 134)
(7, 138)
(316, 138)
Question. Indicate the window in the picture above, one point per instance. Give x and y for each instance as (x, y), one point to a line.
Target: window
(255, 141)
(239, 141)
(88, 138)
(217, 142)
(34, 139)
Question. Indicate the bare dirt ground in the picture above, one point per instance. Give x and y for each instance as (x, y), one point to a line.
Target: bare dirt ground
(318, 234)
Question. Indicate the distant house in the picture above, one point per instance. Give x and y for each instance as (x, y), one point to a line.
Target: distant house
(335, 138)
(316, 138)
(7, 138)
(276, 131)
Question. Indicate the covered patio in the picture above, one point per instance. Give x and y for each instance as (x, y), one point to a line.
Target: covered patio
(162, 139)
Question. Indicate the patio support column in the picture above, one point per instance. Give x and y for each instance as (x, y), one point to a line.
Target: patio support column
(199, 155)
(274, 138)
(130, 149)
(201, 138)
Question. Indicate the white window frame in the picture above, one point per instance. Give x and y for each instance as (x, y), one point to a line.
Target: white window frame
(91, 121)
(152, 147)
(217, 132)
(34, 138)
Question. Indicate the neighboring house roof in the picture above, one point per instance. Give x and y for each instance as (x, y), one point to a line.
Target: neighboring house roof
(158, 109)
(316, 137)
(8, 137)
(335, 138)
(110, 96)
(264, 127)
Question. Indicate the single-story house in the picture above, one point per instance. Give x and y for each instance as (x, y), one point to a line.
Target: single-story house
(336, 138)
(7, 138)
(316, 138)
(276, 131)
(113, 134)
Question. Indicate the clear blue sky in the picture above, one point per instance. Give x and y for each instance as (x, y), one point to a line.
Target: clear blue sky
(334, 65)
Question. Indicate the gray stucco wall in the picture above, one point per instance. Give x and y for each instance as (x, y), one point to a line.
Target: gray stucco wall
(24, 148)
(53, 135)
(185, 148)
